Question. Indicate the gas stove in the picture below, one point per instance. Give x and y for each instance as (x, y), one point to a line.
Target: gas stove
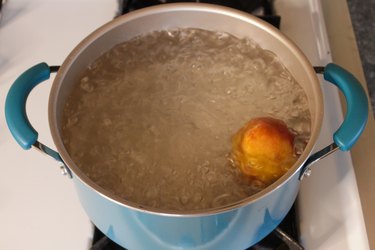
(41, 206)
(263, 9)
(284, 237)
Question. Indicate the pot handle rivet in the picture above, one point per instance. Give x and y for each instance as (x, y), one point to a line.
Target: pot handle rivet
(64, 170)
(307, 172)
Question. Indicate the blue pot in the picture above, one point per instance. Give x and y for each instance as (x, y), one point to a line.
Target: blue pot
(235, 226)
(228, 229)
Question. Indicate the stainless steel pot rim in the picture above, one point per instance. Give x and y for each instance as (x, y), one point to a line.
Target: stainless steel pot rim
(77, 173)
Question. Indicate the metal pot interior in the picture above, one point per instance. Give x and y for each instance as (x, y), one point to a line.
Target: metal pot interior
(172, 16)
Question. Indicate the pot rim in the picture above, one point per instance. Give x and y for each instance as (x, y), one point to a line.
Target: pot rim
(202, 7)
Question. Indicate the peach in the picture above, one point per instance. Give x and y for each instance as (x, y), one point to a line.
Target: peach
(263, 149)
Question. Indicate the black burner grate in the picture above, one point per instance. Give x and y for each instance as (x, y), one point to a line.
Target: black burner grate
(261, 8)
(280, 239)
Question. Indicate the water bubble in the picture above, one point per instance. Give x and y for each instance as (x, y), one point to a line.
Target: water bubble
(184, 199)
(73, 120)
(86, 85)
(107, 122)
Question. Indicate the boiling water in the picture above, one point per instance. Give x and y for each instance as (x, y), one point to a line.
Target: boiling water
(151, 120)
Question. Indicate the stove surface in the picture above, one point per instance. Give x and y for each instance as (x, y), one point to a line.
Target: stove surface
(37, 201)
(283, 238)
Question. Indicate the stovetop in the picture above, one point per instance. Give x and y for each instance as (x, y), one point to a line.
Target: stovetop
(37, 201)
(263, 9)
(284, 237)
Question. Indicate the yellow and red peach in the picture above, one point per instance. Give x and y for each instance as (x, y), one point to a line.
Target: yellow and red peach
(263, 149)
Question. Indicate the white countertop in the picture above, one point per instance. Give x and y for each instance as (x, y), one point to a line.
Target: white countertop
(329, 205)
(39, 208)
(345, 52)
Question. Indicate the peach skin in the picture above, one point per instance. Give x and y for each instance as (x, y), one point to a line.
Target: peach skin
(263, 149)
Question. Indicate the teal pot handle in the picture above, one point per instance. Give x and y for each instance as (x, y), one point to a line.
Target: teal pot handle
(15, 110)
(357, 106)
(356, 115)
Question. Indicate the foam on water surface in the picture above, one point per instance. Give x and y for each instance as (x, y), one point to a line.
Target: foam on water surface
(152, 119)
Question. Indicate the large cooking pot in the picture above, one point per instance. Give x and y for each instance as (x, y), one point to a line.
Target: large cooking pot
(235, 226)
